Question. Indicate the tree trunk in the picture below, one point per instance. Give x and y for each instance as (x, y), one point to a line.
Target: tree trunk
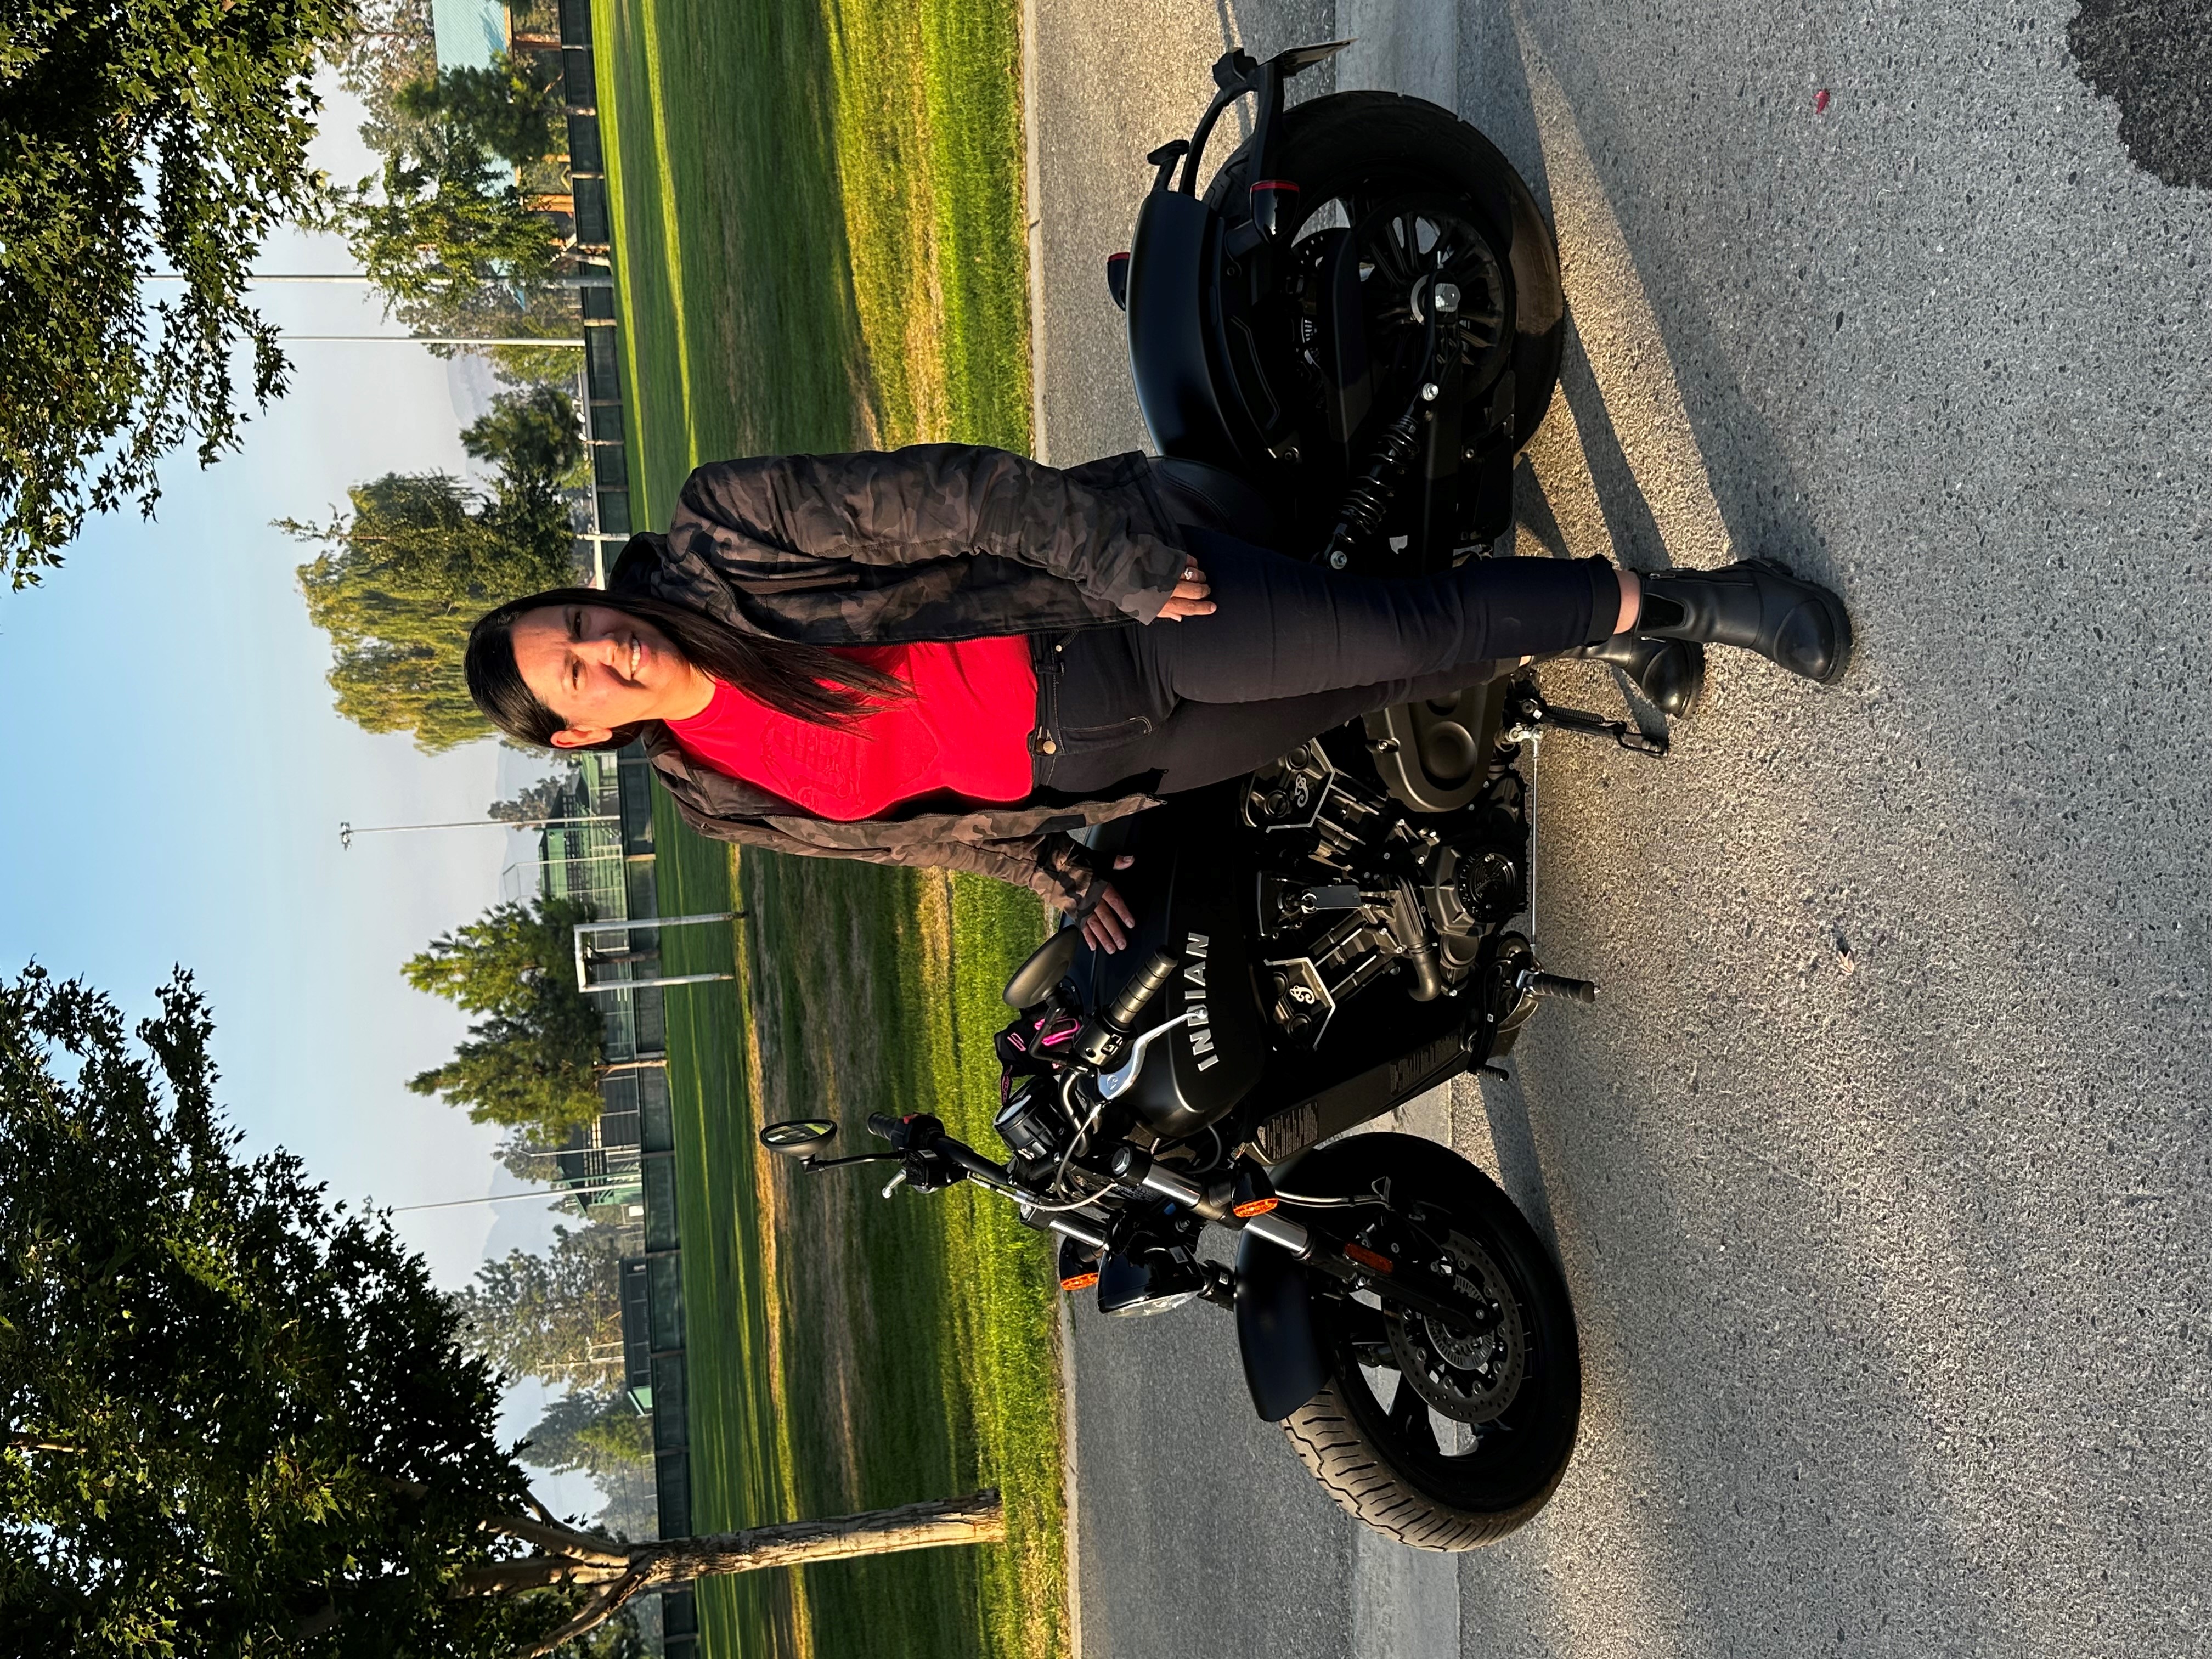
(663, 1564)
(980, 1519)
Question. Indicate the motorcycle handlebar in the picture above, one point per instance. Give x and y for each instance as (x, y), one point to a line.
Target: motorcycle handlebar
(935, 1142)
(974, 1162)
(1143, 985)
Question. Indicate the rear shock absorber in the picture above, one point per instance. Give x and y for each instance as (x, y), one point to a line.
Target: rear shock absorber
(1368, 497)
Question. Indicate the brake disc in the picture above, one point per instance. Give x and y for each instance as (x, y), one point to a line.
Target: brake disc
(1468, 1374)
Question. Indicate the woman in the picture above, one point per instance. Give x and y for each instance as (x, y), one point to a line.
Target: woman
(953, 656)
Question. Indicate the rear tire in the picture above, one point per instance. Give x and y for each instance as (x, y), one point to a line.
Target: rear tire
(1376, 144)
(1382, 1467)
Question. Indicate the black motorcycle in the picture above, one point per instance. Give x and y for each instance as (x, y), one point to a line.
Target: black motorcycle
(1340, 348)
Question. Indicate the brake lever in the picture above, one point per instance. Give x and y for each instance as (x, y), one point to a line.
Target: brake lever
(893, 1184)
(810, 1164)
(1114, 1083)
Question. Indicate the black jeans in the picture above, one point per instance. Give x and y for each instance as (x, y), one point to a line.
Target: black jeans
(1291, 650)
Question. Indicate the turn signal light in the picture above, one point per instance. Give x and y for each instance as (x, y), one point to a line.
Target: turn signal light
(1246, 1211)
(1367, 1258)
(1079, 1282)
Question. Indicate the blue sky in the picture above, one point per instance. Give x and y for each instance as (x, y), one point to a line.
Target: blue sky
(179, 798)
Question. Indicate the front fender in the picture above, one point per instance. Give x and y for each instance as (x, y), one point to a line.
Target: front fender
(1284, 1366)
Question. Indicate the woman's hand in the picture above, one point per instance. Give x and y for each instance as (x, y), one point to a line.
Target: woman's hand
(1189, 598)
(1106, 929)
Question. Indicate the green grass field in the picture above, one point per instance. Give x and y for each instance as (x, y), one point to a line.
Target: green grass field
(818, 225)
(819, 245)
(845, 1352)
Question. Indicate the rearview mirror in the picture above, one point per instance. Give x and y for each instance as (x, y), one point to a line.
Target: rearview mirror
(1046, 968)
(798, 1136)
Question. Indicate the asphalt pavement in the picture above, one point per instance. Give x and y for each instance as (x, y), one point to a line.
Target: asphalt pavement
(1880, 1171)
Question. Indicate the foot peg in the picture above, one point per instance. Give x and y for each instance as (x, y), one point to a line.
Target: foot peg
(1553, 985)
(1527, 715)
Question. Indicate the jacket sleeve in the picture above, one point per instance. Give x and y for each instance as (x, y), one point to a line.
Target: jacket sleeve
(931, 501)
(1055, 866)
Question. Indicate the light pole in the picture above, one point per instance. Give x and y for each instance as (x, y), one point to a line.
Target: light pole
(347, 832)
(642, 924)
(597, 1190)
(362, 277)
(446, 340)
(574, 341)
(254, 276)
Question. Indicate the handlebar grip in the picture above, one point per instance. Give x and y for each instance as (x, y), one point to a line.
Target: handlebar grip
(1143, 985)
(883, 1126)
(1551, 984)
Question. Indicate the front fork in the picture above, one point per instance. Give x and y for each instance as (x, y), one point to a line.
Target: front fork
(1245, 1205)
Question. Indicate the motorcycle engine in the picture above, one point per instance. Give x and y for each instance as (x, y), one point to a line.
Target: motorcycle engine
(1357, 887)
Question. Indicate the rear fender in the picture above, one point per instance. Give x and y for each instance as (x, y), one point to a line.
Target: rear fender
(1172, 259)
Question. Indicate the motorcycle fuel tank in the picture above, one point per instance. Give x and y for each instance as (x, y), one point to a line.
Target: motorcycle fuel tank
(1190, 905)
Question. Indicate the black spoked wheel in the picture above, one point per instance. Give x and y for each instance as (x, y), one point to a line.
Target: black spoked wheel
(1398, 174)
(1445, 1435)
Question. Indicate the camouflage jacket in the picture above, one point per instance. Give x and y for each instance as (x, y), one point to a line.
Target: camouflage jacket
(936, 542)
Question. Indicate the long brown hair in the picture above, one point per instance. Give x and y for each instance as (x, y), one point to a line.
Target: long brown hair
(804, 680)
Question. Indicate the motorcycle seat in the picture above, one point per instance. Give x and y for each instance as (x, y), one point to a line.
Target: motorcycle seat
(1214, 498)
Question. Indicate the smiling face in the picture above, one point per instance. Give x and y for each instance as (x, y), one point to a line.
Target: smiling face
(598, 668)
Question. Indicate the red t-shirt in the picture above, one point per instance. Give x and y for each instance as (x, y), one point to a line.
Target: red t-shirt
(966, 729)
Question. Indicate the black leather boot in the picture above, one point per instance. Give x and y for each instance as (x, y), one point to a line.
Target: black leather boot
(1756, 605)
(1670, 673)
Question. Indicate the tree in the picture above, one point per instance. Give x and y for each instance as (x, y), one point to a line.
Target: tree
(602, 1435)
(502, 959)
(259, 1424)
(436, 231)
(396, 46)
(423, 556)
(239, 1421)
(446, 229)
(523, 1155)
(502, 112)
(534, 1058)
(532, 436)
(504, 109)
(139, 136)
(555, 1315)
(590, 1431)
(548, 798)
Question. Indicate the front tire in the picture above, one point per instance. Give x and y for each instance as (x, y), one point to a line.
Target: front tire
(1465, 1476)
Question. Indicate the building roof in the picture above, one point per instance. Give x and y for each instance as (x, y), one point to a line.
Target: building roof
(468, 31)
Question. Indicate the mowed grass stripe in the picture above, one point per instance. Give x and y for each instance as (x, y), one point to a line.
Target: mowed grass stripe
(728, 1307)
(929, 141)
(854, 230)
(918, 1357)
(638, 196)
(732, 181)
(671, 240)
